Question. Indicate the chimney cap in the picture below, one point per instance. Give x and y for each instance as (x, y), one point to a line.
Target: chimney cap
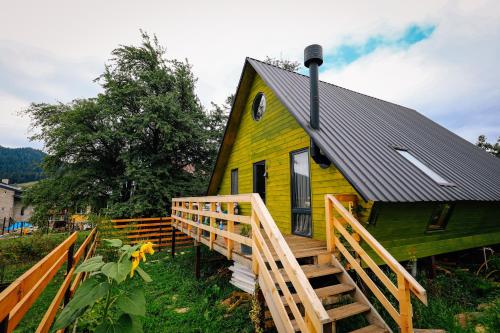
(313, 53)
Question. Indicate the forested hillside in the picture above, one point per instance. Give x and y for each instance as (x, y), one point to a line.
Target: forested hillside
(20, 165)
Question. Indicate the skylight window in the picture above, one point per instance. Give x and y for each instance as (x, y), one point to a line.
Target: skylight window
(424, 168)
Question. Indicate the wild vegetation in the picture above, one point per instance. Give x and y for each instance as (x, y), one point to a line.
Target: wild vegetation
(492, 148)
(19, 254)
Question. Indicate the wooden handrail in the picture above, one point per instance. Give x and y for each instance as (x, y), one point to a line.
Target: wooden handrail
(405, 282)
(265, 241)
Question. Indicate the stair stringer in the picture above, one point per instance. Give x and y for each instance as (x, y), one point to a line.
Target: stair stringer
(372, 316)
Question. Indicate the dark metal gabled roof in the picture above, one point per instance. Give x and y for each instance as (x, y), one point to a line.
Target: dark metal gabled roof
(359, 134)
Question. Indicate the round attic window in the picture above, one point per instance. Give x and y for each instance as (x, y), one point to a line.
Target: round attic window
(258, 106)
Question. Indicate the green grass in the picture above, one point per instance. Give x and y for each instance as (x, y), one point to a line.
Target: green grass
(177, 302)
(460, 292)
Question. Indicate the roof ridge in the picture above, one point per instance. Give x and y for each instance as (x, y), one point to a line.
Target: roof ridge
(332, 84)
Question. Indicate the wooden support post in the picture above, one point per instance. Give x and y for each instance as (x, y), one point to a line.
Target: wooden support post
(212, 224)
(197, 260)
(230, 228)
(173, 242)
(69, 266)
(330, 242)
(405, 310)
(3, 226)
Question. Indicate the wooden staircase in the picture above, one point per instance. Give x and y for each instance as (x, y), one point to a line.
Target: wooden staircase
(304, 283)
(339, 295)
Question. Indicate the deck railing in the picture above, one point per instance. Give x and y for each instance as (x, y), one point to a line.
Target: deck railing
(340, 223)
(268, 246)
(21, 294)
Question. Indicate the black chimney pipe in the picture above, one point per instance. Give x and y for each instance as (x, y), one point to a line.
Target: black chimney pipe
(313, 58)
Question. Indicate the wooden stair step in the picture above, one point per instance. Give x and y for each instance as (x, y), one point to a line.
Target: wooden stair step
(310, 252)
(348, 310)
(370, 329)
(312, 271)
(325, 292)
(343, 312)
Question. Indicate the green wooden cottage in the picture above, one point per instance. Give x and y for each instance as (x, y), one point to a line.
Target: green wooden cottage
(421, 190)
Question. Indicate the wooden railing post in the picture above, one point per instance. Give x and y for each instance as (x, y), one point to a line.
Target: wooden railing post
(159, 237)
(330, 242)
(200, 220)
(254, 223)
(230, 228)
(212, 224)
(189, 217)
(405, 310)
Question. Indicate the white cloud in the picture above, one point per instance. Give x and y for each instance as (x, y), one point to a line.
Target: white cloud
(452, 77)
(13, 128)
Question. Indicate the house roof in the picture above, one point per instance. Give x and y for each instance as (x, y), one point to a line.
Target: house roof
(359, 134)
(17, 191)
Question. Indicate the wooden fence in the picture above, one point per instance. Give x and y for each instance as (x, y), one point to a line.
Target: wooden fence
(157, 230)
(18, 298)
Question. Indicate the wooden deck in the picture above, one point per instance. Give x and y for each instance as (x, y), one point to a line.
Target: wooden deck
(301, 246)
(292, 300)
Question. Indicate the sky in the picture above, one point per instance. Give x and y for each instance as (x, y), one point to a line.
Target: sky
(438, 57)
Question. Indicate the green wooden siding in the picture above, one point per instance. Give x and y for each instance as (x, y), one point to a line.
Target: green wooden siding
(401, 228)
(272, 139)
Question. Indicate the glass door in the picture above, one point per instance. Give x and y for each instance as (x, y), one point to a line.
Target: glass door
(259, 179)
(301, 193)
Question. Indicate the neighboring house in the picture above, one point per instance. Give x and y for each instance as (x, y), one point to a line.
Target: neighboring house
(11, 206)
(421, 190)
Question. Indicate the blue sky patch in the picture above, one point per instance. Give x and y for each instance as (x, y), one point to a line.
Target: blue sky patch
(346, 54)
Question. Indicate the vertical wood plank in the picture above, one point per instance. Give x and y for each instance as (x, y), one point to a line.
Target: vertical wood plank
(254, 222)
(230, 228)
(404, 305)
(200, 220)
(330, 244)
(189, 217)
(212, 224)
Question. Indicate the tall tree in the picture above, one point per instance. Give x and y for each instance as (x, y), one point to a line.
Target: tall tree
(289, 65)
(131, 149)
(491, 148)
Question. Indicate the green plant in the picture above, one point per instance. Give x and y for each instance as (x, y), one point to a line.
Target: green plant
(245, 230)
(118, 308)
(256, 311)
